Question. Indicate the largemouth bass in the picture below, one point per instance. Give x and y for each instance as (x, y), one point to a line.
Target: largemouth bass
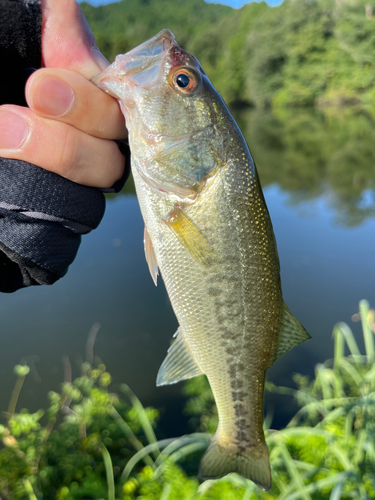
(208, 230)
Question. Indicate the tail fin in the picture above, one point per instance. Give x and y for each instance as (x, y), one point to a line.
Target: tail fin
(252, 463)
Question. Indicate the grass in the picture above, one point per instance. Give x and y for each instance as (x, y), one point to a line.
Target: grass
(105, 445)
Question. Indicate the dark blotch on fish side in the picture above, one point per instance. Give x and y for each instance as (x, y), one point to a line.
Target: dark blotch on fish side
(238, 395)
(220, 319)
(232, 371)
(236, 384)
(226, 333)
(241, 424)
(240, 409)
(241, 438)
(233, 351)
(214, 292)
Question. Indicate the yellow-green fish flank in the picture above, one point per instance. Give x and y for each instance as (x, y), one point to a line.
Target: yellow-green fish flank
(208, 230)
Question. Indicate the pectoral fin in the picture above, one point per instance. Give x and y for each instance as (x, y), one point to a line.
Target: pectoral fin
(291, 334)
(179, 363)
(150, 256)
(189, 235)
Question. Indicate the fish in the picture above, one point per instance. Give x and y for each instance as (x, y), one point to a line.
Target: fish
(209, 232)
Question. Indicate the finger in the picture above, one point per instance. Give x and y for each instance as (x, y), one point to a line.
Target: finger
(69, 97)
(67, 41)
(59, 147)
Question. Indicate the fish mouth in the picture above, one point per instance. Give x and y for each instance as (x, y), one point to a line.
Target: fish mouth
(141, 66)
(144, 66)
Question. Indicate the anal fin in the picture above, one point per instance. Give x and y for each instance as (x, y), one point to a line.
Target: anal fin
(291, 334)
(150, 256)
(179, 363)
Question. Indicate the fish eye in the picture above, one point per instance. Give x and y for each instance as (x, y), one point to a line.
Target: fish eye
(182, 80)
(185, 80)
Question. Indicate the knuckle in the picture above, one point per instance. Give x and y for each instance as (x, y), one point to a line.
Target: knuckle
(109, 164)
(66, 154)
(115, 165)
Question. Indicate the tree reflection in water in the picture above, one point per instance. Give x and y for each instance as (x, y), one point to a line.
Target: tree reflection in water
(308, 153)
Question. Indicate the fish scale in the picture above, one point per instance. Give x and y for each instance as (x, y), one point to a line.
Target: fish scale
(210, 234)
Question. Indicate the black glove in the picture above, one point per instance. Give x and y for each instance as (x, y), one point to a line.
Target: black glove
(42, 215)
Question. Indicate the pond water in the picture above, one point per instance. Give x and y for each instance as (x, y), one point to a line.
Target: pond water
(318, 174)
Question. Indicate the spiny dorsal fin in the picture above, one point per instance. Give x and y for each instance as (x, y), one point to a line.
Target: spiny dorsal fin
(189, 235)
(150, 256)
(179, 363)
(291, 334)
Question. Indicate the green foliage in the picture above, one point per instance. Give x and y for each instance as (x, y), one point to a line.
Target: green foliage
(105, 447)
(302, 53)
(70, 460)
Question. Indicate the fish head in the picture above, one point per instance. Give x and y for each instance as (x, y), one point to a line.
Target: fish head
(171, 111)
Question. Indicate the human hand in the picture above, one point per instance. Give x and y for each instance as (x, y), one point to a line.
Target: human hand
(70, 124)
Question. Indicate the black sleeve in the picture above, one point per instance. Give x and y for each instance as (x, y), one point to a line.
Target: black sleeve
(42, 215)
(42, 218)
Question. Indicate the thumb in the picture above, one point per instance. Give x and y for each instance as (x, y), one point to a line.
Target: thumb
(67, 40)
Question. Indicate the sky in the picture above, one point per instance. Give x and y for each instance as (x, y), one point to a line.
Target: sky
(233, 3)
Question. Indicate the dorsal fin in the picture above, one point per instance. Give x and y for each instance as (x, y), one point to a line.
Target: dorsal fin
(291, 334)
(150, 256)
(179, 363)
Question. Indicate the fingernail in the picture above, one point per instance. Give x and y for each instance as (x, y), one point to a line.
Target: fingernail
(13, 130)
(98, 57)
(52, 97)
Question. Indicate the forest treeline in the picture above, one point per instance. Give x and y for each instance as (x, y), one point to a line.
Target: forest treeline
(301, 53)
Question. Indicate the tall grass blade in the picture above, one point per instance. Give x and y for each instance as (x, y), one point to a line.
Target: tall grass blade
(141, 454)
(181, 442)
(293, 471)
(359, 452)
(350, 341)
(298, 431)
(319, 485)
(370, 450)
(332, 415)
(352, 372)
(145, 422)
(29, 490)
(133, 440)
(204, 487)
(321, 375)
(317, 406)
(339, 345)
(349, 421)
(370, 377)
(341, 456)
(21, 371)
(179, 454)
(336, 492)
(108, 471)
(248, 492)
(368, 335)
(166, 492)
(198, 437)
